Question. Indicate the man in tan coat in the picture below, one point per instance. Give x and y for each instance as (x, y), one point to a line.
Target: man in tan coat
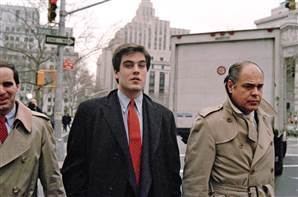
(230, 150)
(26, 144)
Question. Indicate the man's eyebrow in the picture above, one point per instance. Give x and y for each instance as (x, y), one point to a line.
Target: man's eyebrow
(130, 61)
(253, 84)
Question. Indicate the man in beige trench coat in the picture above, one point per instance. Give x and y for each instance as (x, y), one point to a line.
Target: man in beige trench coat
(230, 150)
(26, 144)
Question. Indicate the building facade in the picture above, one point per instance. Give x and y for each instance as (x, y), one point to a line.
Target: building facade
(286, 20)
(22, 43)
(148, 30)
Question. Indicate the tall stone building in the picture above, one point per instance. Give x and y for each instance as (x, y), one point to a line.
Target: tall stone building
(22, 43)
(148, 30)
(16, 34)
(286, 20)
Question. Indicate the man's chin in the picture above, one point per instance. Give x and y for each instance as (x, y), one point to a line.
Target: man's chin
(4, 109)
(136, 88)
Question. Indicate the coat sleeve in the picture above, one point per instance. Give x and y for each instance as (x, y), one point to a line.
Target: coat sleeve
(49, 172)
(174, 160)
(75, 166)
(199, 158)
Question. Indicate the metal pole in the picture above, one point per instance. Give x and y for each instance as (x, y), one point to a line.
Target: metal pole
(88, 6)
(58, 108)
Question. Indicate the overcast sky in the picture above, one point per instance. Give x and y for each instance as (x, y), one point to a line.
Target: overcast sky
(197, 15)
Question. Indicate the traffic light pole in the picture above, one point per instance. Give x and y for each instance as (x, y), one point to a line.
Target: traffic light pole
(58, 107)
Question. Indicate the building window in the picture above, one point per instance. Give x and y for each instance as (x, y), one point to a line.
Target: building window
(17, 15)
(151, 82)
(162, 82)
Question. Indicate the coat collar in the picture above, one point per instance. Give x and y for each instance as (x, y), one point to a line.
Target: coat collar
(24, 116)
(265, 140)
(18, 140)
(265, 132)
(113, 116)
(152, 118)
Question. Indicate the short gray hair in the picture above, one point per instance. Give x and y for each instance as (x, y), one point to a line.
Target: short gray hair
(235, 69)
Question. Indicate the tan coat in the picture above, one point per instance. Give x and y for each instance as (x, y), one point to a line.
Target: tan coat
(28, 154)
(219, 155)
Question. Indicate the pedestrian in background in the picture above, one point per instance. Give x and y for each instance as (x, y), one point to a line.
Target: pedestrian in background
(124, 144)
(230, 150)
(66, 120)
(26, 144)
(33, 105)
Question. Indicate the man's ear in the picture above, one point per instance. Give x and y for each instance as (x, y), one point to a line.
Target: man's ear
(18, 87)
(230, 85)
(116, 74)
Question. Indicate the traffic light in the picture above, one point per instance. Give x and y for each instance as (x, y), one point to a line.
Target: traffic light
(52, 10)
(290, 4)
(46, 78)
(40, 78)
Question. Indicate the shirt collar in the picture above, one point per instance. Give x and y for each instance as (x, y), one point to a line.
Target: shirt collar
(237, 111)
(124, 101)
(10, 117)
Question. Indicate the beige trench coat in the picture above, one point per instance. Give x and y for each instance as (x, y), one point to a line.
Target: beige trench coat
(28, 154)
(219, 155)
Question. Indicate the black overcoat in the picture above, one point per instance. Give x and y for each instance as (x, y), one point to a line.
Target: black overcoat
(98, 161)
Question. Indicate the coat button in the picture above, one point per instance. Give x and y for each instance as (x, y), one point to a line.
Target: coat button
(23, 160)
(229, 120)
(15, 190)
(252, 171)
(116, 155)
(111, 188)
(241, 146)
(271, 170)
(271, 143)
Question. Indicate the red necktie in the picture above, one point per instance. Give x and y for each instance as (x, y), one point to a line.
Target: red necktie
(135, 144)
(3, 129)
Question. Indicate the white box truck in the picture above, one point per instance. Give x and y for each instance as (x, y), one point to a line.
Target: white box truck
(200, 63)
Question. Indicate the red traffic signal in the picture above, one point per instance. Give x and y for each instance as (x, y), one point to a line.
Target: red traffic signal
(52, 10)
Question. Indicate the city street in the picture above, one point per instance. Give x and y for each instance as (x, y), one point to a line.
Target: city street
(287, 183)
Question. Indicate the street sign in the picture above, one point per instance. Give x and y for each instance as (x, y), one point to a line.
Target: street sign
(60, 40)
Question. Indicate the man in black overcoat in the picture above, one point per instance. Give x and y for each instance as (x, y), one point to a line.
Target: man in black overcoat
(106, 156)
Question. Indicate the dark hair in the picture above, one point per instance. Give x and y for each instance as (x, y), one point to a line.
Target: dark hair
(31, 106)
(234, 71)
(128, 48)
(11, 67)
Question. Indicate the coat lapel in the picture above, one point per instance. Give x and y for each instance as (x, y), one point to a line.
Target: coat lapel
(149, 138)
(265, 138)
(154, 124)
(21, 137)
(113, 115)
(18, 142)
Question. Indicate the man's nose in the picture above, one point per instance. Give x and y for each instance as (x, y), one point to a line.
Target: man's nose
(136, 68)
(2, 89)
(256, 91)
